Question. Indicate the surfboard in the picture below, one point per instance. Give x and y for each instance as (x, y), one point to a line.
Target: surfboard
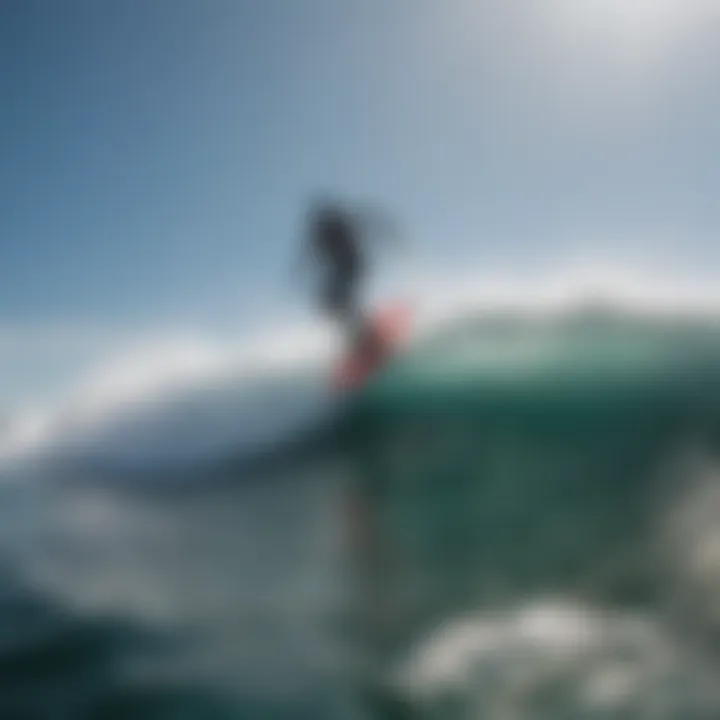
(389, 330)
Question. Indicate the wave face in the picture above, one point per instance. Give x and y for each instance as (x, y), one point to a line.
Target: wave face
(537, 485)
(536, 537)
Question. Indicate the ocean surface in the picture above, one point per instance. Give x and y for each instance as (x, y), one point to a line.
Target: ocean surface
(519, 518)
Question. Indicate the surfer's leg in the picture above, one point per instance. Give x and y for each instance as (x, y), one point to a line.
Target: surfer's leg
(340, 301)
(358, 327)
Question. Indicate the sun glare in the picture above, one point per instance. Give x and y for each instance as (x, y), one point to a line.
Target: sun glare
(644, 30)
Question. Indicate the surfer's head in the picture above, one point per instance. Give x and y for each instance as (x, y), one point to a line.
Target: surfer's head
(325, 207)
(327, 215)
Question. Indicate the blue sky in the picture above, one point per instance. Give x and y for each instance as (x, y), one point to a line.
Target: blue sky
(155, 156)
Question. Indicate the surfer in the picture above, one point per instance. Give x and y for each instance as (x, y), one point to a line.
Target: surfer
(338, 239)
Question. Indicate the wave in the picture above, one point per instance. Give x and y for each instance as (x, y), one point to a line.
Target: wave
(190, 400)
(179, 402)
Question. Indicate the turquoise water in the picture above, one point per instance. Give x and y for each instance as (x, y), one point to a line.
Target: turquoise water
(518, 518)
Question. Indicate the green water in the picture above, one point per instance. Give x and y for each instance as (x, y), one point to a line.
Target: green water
(520, 460)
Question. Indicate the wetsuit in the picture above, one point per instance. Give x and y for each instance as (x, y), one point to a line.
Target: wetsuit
(336, 242)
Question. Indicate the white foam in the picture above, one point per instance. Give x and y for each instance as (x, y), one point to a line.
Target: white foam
(553, 656)
(178, 396)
